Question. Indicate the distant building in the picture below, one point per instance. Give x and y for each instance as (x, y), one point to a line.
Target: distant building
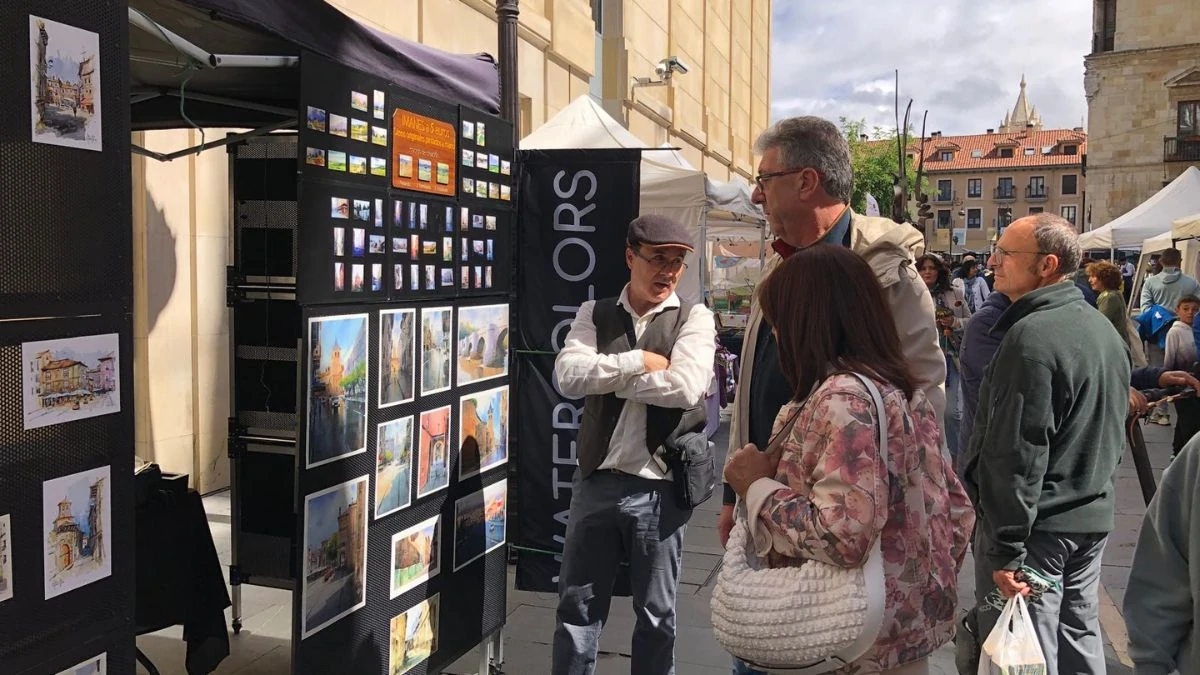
(1142, 82)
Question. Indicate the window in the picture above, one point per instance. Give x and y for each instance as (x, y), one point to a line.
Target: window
(944, 192)
(1188, 111)
(1003, 217)
(974, 219)
(1070, 149)
(1070, 184)
(947, 155)
(1106, 12)
(1004, 188)
(1037, 186)
(1034, 210)
(977, 153)
(974, 187)
(1029, 152)
(943, 219)
(1006, 153)
(1068, 212)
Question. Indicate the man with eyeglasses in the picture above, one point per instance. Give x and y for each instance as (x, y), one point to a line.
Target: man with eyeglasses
(644, 362)
(1049, 430)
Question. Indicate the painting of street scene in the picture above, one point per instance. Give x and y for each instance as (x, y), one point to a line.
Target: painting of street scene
(335, 554)
(397, 355)
(433, 460)
(6, 584)
(479, 523)
(65, 85)
(393, 466)
(416, 553)
(482, 431)
(70, 379)
(337, 387)
(75, 518)
(414, 636)
(482, 343)
(97, 665)
(435, 349)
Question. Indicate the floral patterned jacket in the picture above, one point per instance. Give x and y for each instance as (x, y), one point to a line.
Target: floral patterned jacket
(824, 505)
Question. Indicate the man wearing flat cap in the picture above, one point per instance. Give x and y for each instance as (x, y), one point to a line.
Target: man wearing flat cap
(644, 362)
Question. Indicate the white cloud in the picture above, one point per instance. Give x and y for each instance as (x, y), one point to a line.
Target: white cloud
(960, 59)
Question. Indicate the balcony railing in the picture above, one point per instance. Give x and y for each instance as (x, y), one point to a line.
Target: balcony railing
(943, 197)
(1037, 193)
(1181, 149)
(1004, 193)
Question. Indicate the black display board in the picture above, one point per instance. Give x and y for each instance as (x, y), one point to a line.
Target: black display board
(66, 540)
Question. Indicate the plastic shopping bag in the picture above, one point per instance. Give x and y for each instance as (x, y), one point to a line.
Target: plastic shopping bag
(1012, 648)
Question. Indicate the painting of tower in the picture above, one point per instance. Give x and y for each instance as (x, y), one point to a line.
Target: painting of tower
(64, 63)
(76, 513)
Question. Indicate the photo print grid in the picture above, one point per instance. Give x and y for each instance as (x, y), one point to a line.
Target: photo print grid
(359, 244)
(479, 246)
(422, 245)
(359, 119)
(486, 169)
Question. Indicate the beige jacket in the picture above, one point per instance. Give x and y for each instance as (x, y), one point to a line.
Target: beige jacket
(891, 250)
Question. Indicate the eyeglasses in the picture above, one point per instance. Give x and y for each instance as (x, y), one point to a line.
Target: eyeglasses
(761, 179)
(662, 262)
(1000, 253)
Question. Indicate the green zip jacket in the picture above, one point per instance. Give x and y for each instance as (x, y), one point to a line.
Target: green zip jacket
(1050, 426)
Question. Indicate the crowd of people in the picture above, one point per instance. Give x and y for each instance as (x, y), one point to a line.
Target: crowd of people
(886, 405)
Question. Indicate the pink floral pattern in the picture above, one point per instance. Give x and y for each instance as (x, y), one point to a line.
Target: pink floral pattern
(834, 508)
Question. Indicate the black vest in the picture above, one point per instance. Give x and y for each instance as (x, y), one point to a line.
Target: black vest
(614, 335)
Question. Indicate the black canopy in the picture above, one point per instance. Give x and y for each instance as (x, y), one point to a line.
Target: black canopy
(279, 28)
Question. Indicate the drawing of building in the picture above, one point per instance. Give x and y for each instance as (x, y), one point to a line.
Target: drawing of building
(69, 544)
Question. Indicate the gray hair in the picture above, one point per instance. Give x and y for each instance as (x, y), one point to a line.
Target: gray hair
(1057, 236)
(812, 142)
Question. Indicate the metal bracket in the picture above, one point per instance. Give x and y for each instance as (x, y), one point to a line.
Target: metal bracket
(231, 138)
(202, 58)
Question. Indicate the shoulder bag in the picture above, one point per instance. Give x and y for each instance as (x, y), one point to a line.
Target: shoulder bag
(810, 619)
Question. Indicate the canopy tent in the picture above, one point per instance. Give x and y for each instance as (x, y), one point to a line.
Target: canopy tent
(1179, 199)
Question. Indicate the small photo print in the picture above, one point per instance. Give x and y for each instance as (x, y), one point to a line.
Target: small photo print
(314, 156)
(412, 215)
(399, 245)
(414, 245)
(70, 379)
(464, 218)
(447, 276)
(433, 456)
(490, 251)
(404, 166)
(377, 277)
(494, 163)
(378, 166)
(359, 130)
(493, 188)
(397, 214)
(377, 244)
(477, 221)
(448, 250)
(76, 517)
(97, 665)
(339, 207)
(477, 246)
(490, 223)
(468, 158)
(429, 248)
(339, 276)
(505, 167)
(424, 170)
(423, 221)
(316, 119)
(416, 552)
(481, 189)
(480, 523)
(335, 554)
(466, 246)
(487, 277)
(378, 212)
(358, 165)
(443, 173)
(414, 277)
(337, 160)
(414, 636)
(505, 193)
(478, 276)
(480, 135)
(481, 160)
(360, 242)
(6, 574)
(377, 107)
(449, 218)
(469, 186)
(362, 210)
(339, 241)
(338, 125)
(468, 130)
(398, 277)
(466, 278)
(359, 102)
(430, 278)
(356, 281)
(379, 136)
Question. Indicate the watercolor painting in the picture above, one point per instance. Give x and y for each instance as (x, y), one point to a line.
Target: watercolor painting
(377, 105)
(393, 466)
(435, 347)
(397, 356)
(482, 431)
(433, 458)
(65, 85)
(6, 578)
(70, 379)
(358, 101)
(416, 555)
(480, 523)
(414, 636)
(316, 119)
(482, 343)
(337, 386)
(335, 554)
(75, 520)
(97, 665)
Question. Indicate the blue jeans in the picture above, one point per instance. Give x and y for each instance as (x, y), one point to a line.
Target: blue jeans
(954, 407)
(614, 518)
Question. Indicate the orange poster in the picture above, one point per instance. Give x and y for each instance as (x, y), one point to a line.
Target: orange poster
(423, 153)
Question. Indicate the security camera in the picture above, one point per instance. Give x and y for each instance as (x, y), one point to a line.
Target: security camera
(669, 65)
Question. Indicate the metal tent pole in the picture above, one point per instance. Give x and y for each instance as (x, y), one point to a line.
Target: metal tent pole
(510, 102)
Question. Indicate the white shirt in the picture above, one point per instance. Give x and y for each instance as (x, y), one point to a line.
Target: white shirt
(581, 370)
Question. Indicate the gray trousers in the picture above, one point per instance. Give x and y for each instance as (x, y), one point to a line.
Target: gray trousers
(617, 518)
(1067, 621)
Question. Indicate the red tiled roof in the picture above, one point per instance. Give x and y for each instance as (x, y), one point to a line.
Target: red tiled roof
(990, 159)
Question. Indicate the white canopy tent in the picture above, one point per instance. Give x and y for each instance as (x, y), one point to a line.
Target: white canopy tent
(1153, 217)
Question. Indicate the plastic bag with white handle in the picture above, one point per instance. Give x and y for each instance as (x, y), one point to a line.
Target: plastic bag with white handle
(1012, 648)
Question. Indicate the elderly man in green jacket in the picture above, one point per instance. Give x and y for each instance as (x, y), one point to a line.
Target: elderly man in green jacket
(1049, 431)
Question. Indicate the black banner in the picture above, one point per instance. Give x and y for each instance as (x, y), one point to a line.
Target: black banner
(574, 208)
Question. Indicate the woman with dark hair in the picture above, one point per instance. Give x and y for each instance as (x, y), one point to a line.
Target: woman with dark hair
(823, 493)
(974, 287)
(950, 307)
(1105, 279)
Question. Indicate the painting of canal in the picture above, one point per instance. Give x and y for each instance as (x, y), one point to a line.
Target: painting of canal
(482, 343)
(70, 379)
(414, 636)
(75, 518)
(337, 388)
(397, 355)
(479, 523)
(393, 466)
(64, 85)
(335, 554)
(482, 431)
(416, 555)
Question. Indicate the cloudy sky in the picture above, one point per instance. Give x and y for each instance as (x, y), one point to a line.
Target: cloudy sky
(960, 59)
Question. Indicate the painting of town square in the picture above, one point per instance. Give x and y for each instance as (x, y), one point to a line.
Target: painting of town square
(414, 636)
(435, 349)
(70, 379)
(416, 555)
(335, 554)
(393, 466)
(337, 388)
(433, 459)
(65, 84)
(97, 665)
(397, 356)
(482, 343)
(479, 523)
(6, 582)
(482, 431)
(75, 518)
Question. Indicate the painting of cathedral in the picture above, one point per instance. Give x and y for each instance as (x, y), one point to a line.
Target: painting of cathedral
(75, 515)
(337, 388)
(482, 343)
(397, 356)
(64, 63)
(482, 431)
(70, 379)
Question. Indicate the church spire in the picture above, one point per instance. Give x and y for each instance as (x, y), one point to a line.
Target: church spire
(1022, 114)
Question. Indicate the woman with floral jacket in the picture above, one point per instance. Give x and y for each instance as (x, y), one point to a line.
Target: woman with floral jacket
(824, 493)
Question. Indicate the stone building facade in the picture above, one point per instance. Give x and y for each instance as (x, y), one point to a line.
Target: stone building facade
(1142, 81)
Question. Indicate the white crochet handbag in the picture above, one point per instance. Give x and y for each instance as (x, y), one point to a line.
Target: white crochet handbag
(806, 620)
